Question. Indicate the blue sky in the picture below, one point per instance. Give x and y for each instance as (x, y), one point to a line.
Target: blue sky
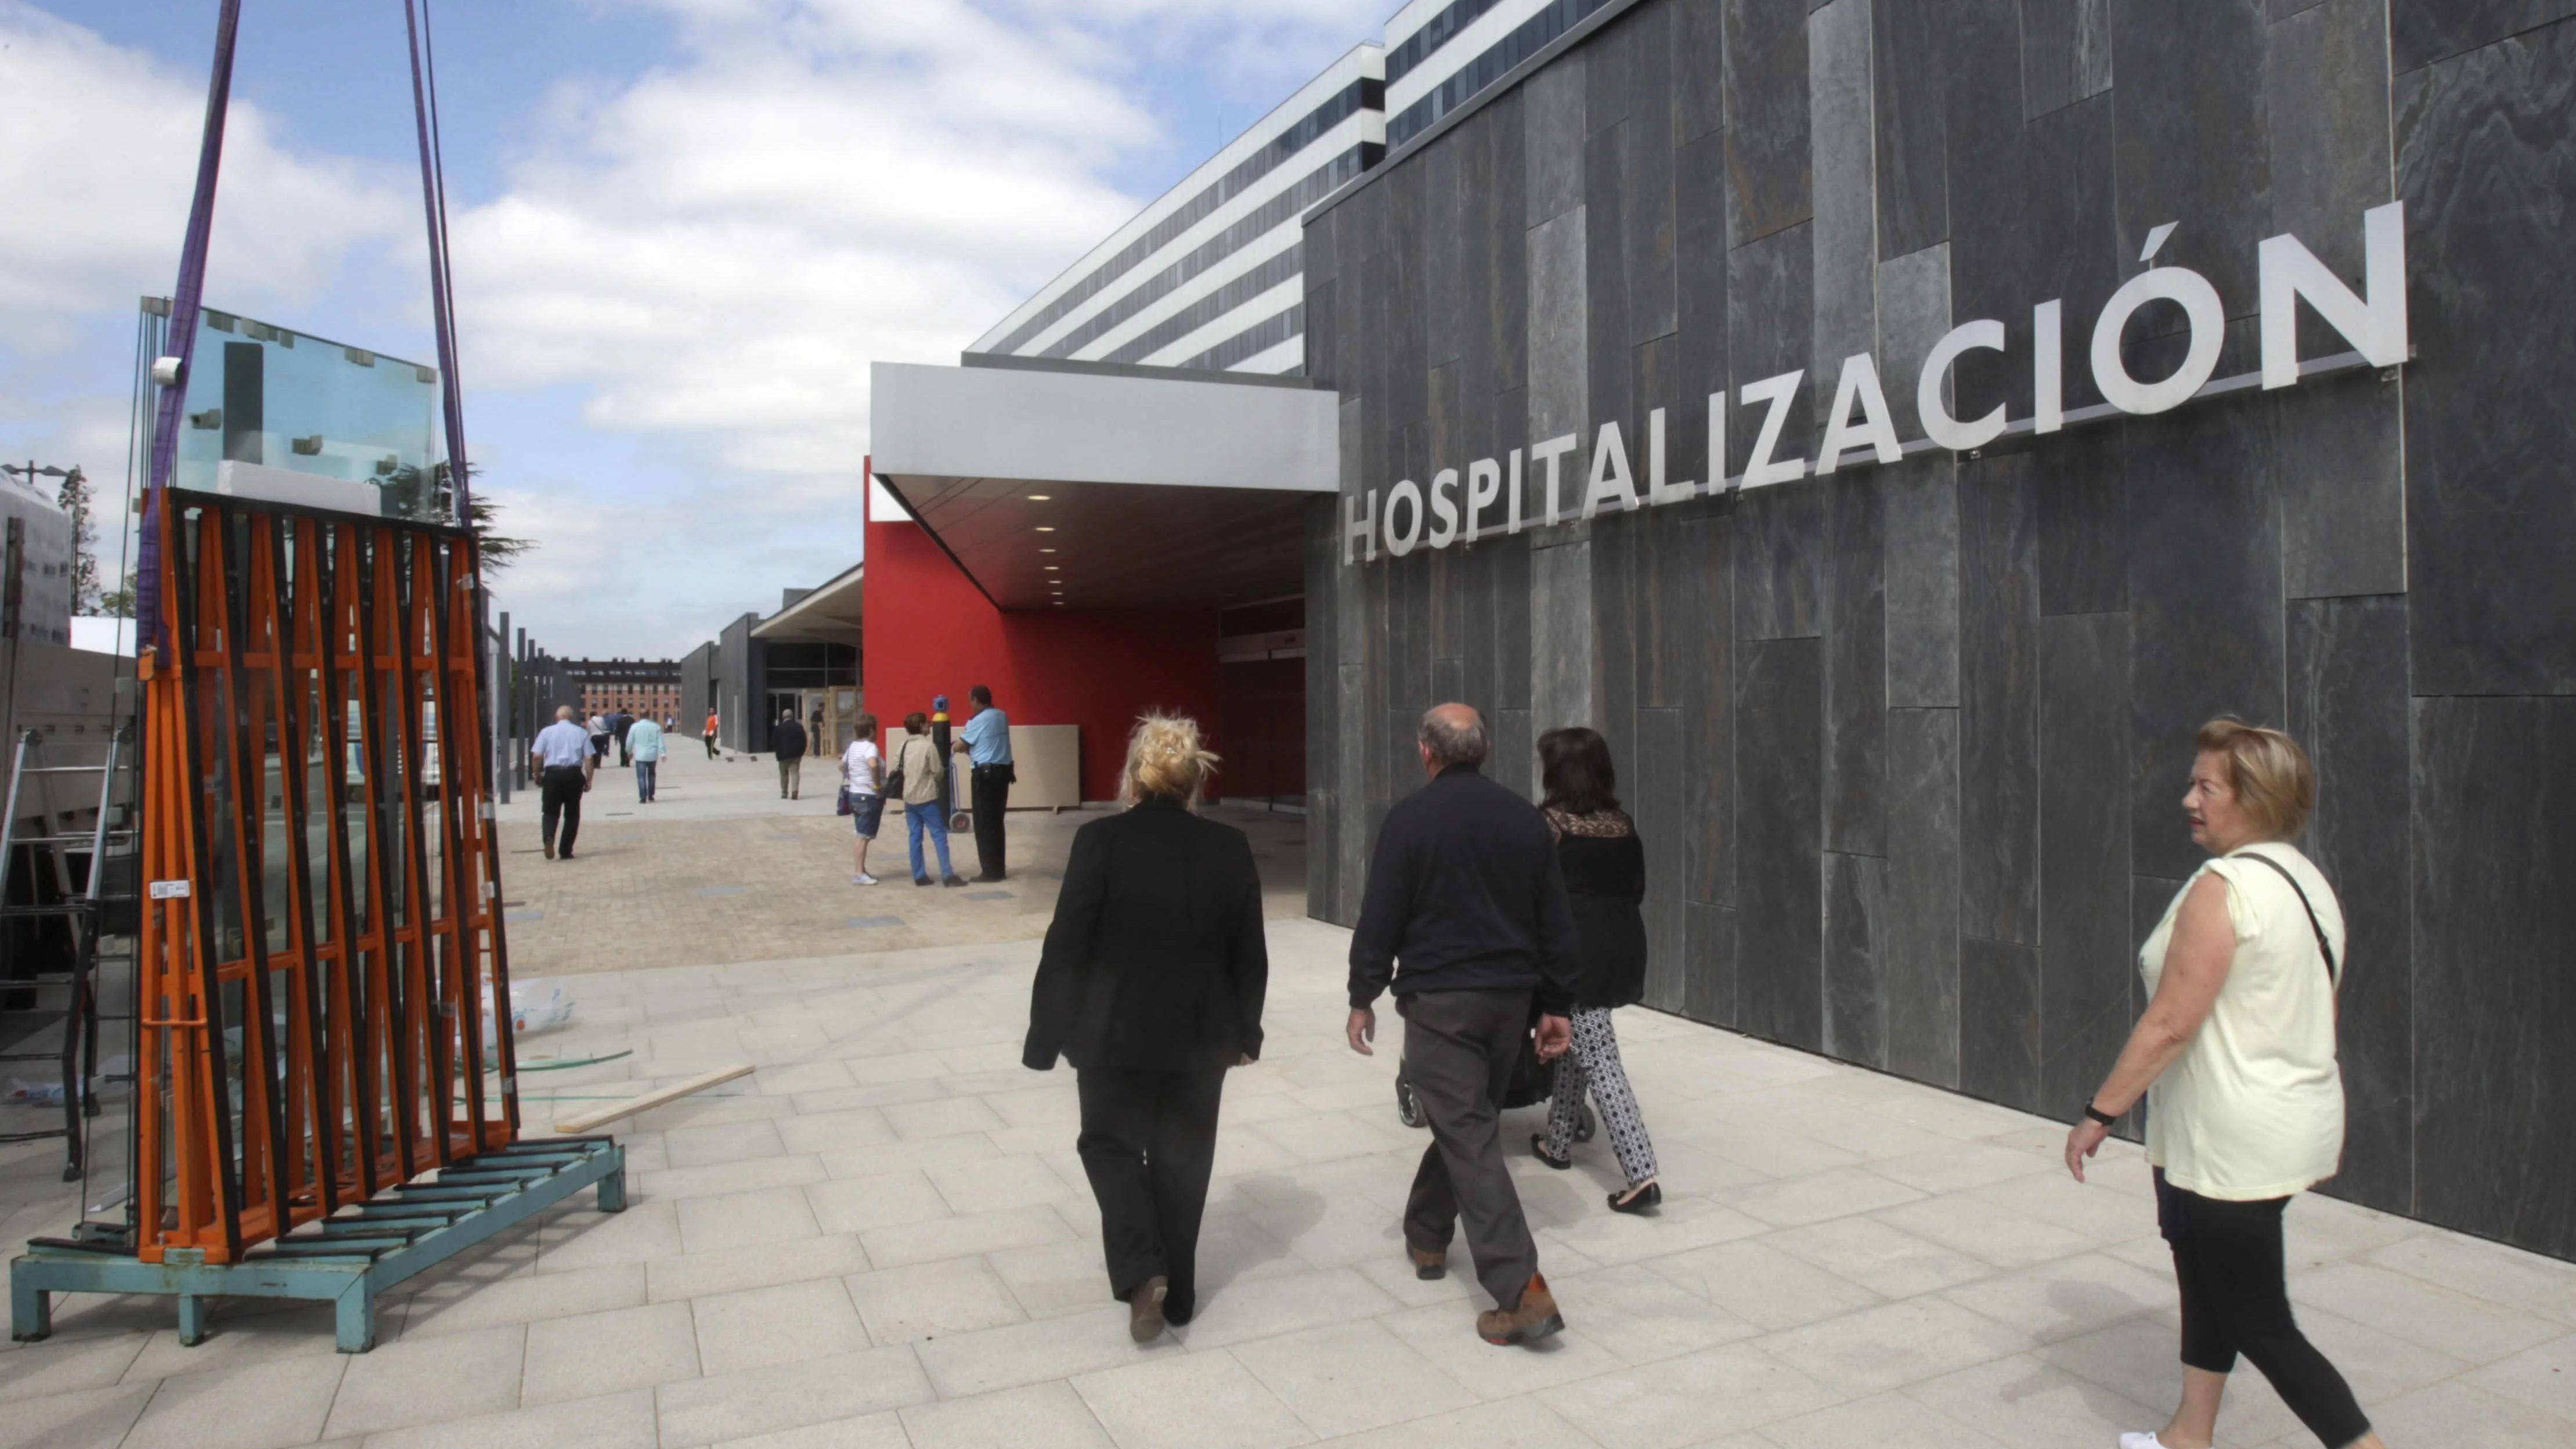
(683, 228)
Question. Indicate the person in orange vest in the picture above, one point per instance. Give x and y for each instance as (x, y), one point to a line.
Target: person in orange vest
(710, 734)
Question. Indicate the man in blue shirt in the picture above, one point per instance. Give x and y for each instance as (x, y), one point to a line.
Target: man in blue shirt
(986, 743)
(564, 759)
(644, 742)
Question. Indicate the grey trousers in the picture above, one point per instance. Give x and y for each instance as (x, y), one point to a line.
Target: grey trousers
(1459, 1051)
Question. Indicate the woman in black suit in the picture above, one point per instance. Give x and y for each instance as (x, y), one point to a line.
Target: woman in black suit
(1151, 985)
(1605, 880)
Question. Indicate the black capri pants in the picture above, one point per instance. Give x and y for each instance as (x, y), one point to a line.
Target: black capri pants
(2236, 1300)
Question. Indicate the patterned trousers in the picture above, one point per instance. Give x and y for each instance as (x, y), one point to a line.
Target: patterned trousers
(1594, 1063)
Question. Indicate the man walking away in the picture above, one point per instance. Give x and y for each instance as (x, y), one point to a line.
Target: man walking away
(1465, 910)
(620, 724)
(644, 742)
(600, 735)
(564, 758)
(709, 734)
(986, 744)
(787, 742)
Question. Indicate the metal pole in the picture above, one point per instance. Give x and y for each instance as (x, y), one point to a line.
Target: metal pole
(499, 644)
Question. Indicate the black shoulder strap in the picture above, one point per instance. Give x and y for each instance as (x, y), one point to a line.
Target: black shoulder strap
(2332, 972)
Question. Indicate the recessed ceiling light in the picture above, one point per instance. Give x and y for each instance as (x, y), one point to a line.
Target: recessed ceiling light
(1046, 550)
(1040, 497)
(1059, 603)
(1051, 568)
(1042, 528)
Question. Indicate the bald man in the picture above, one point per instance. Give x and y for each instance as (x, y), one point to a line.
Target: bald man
(564, 760)
(1465, 918)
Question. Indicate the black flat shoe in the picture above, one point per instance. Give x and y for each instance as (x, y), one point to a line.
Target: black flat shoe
(1538, 1149)
(1637, 1199)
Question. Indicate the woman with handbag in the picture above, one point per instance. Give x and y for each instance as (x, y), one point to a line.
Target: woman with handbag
(862, 799)
(2236, 1059)
(1605, 882)
(914, 780)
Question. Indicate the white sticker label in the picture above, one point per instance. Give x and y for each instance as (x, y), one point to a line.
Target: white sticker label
(487, 809)
(169, 890)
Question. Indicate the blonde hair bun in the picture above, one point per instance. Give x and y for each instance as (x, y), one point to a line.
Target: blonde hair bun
(1165, 757)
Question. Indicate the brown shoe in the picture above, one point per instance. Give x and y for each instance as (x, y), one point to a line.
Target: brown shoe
(1145, 1310)
(1535, 1317)
(1428, 1266)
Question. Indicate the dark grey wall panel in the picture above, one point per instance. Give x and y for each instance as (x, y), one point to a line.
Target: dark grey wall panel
(1855, 958)
(2083, 523)
(2486, 164)
(2073, 237)
(1699, 68)
(2326, 82)
(2085, 949)
(1767, 163)
(1605, 268)
(1700, 287)
(1922, 507)
(1708, 970)
(1552, 117)
(1658, 813)
(2205, 593)
(1999, 697)
(1855, 666)
(1651, 225)
(2495, 811)
(1922, 935)
(1987, 151)
(2341, 461)
(1780, 826)
(2425, 31)
(1909, 75)
(2347, 705)
(2065, 52)
(1779, 563)
(1999, 1022)
(1708, 714)
(1844, 231)
(2191, 112)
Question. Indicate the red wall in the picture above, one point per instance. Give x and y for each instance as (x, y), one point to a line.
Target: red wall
(929, 631)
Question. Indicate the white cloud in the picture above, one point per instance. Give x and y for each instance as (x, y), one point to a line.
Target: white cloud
(706, 255)
(98, 157)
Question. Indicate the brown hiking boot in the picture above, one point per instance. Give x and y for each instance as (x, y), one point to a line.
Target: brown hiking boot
(1145, 1310)
(1427, 1265)
(1535, 1318)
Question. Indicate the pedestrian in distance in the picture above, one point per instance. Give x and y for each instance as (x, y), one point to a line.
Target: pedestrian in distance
(942, 739)
(564, 757)
(986, 743)
(708, 734)
(643, 744)
(1465, 916)
(1605, 884)
(863, 797)
(619, 724)
(914, 776)
(600, 735)
(2235, 1057)
(1151, 983)
(787, 742)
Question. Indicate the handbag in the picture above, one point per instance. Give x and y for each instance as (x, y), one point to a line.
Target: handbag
(894, 777)
(843, 806)
(2332, 972)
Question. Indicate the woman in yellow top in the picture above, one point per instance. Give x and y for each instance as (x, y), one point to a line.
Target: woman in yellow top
(2236, 1059)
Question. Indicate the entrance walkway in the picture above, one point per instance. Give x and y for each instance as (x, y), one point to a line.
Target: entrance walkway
(883, 1239)
(719, 870)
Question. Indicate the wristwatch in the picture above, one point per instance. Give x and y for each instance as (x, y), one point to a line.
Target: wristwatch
(2098, 1115)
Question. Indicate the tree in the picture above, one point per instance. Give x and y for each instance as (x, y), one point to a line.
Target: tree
(118, 602)
(499, 551)
(75, 501)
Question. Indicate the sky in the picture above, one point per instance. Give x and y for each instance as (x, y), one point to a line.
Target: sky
(682, 229)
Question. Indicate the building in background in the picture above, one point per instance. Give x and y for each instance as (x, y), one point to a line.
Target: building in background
(643, 687)
(804, 658)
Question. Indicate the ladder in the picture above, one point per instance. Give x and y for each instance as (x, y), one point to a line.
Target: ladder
(83, 903)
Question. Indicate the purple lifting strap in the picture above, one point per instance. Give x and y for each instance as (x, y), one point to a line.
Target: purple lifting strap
(183, 325)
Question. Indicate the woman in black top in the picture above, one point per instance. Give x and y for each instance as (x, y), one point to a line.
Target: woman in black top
(1605, 879)
(1151, 985)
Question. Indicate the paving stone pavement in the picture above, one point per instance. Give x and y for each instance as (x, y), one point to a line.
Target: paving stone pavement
(719, 870)
(883, 1238)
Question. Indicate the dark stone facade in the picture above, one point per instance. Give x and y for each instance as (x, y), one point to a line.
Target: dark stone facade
(1907, 742)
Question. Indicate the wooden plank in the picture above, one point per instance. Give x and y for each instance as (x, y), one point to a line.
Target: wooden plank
(585, 1121)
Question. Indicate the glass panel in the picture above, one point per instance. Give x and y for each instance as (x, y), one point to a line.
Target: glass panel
(265, 397)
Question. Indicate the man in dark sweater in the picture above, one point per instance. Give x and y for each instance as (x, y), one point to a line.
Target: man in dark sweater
(1466, 914)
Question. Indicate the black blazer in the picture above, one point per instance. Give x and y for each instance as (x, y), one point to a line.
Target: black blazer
(1156, 959)
(1605, 882)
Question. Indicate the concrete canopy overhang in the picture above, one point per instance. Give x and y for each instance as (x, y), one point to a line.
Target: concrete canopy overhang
(1108, 488)
(829, 614)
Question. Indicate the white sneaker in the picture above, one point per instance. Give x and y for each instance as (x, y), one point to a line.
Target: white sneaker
(863, 880)
(2147, 1440)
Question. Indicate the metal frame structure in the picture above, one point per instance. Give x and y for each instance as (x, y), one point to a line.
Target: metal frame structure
(306, 1020)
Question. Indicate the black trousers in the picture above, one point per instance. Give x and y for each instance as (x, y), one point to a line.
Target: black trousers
(1459, 1051)
(711, 746)
(562, 787)
(2228, 1262)
(1148, 1144)
(992, 790)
